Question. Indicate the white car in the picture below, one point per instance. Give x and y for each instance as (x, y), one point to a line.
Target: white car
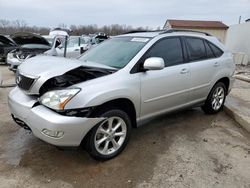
(99, 97)
(76, 45)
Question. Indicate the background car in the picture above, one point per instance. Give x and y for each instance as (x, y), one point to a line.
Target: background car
(28, 45)
(98, 38)
(19, 55)
(75, 46)
(59, 31)
(6, 45)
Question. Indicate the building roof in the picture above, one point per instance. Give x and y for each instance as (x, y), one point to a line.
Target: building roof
(196, 24)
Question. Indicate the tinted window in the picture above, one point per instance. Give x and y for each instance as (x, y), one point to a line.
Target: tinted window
(196, 49)
(169, 49)
(217, 52)
(210, 53)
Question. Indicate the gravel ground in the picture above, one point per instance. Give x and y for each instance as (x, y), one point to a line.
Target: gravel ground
(184, 149)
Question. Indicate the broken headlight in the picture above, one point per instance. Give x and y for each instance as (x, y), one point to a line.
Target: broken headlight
(57, 99)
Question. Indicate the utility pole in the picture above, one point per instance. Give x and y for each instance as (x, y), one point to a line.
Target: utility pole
(239, 19)
(65, 46)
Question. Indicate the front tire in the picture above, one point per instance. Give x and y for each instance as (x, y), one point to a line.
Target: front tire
(215, 100)
(108, 139)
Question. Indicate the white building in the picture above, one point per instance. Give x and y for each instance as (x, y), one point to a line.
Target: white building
(238, 42)
(215, 28)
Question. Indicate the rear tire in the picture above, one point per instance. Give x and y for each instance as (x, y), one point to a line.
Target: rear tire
(216, 98)
(109, 138)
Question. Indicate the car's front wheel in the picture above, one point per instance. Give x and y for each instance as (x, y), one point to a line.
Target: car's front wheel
(107, 139)
(216, 98)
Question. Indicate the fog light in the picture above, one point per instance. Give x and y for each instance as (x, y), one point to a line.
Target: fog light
(54, 134)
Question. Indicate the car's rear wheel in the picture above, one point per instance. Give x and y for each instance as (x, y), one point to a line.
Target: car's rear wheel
(107, 139)
(216, 98)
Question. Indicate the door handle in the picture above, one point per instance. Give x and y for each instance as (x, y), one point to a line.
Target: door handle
(77, 49)
(216, 64)
(184, 71)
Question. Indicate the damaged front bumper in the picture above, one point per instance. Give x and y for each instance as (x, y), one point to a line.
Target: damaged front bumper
(46, 124)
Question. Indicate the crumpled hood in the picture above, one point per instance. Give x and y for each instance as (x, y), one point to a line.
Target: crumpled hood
(42, 65)
(42, 68)
(47, 66)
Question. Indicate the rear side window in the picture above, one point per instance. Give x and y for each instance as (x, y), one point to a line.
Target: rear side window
(170, 49)
(196, 49)
(217, 52)
(210, 53)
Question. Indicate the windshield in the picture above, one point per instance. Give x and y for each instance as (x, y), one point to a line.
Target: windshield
(85, 40)
(73, 42)
(115, 52)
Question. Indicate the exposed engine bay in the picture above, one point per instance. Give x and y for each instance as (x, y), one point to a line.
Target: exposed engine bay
(74, 76)
(25, 53)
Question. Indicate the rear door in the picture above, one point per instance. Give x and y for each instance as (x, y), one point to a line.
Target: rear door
(203, 66)
(166, 89)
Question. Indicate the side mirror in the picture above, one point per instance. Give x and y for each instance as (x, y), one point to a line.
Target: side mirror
(154, 63)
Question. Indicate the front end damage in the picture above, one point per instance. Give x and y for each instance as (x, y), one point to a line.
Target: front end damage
(74, 76)
(60, 127)
(46, 124)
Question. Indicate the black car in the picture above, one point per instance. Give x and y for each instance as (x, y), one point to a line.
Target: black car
(6, 45)
(17, 44)
(29, 45)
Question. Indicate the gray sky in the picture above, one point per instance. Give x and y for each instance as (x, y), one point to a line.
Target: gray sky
(152, 13)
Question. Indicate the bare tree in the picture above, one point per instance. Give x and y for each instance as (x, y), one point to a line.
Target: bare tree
(9, 27)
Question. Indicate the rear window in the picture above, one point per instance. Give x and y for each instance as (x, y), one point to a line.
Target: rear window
(196, 49)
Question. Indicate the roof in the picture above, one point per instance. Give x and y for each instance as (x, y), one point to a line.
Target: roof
(158, 33)
(142, 34)
(197, 24)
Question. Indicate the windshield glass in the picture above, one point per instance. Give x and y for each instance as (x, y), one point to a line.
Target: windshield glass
(115, 52)
(85, 40)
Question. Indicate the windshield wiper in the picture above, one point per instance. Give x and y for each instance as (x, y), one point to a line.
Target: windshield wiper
(98, 65)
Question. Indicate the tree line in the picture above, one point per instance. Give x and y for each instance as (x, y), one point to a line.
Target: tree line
(8, 27)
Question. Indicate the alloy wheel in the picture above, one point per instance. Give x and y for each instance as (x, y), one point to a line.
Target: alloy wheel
(110, 135)
(218, 98)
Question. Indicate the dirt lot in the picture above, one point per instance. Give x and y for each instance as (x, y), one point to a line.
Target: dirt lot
(185, 149)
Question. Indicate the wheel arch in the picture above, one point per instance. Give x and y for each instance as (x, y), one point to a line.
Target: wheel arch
(224, 80)
(124, 104)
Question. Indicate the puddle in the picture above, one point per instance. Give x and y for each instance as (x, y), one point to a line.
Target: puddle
(16, 146)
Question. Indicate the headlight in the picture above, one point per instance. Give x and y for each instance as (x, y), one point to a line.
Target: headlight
(57, 99)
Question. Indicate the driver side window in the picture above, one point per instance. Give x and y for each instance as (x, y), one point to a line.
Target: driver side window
(170, 49)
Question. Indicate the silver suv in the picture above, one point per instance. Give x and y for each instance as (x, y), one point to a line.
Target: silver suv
(97, 99)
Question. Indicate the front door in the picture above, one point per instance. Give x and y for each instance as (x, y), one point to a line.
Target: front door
(166, 89)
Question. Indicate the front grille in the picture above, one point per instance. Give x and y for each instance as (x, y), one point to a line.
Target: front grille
(24, 82)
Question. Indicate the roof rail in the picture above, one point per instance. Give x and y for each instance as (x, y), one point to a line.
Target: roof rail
(136, 31)
(184, 30)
